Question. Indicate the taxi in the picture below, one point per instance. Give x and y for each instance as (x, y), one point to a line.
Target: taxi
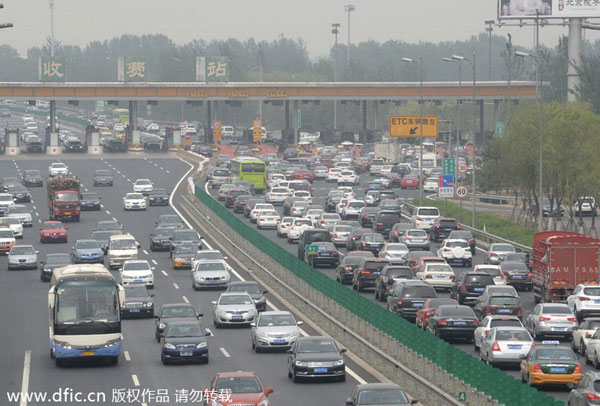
(183, 256)
(549, 363)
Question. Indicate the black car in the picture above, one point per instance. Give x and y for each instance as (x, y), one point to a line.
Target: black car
(442, 227)
(250, 205)
(464, 235)
(233, 194)
(366, 272)
(407, 297)
(138, 302)
(453, 321)
(316, 357)
(173, 312)
(391, 205)
(151, 143)
(390, 274)
(103, 237)
(240, 202)
(33, 178)
(19, 192)
(522, 257)
(103, 177)
(205, 150)
(253, 288)
(287, 204)
(332, 201)
(90, 201)
(158, 197)
(310, 237)
(397, 230)
(169, 220)
(34, 143)
(52, 262)
(184, 341)
(108, 225)
(345, 270)
(9, 181)
(385, 220)
(412, 258)
(371, 242)
(469, 286)
(366, 216)
(489, 303)
(73, 144)
(354, 238)
(325, 254)
(378, 394)
(160, 238)
(517, 274)
(185, 237)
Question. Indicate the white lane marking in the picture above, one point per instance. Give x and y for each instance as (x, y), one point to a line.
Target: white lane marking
(185, 299)
(145, 252)
(37, 214)
(25, 380)
(127, 356)
(107, 212)
(115, 219)
(176, 286)
(128, 180)
(224, 351)
(167, 171)
(34, 208)
(155, 164)
(135, 379)
(154, 262)
(101, 205)
(164, 273)
(39, 221)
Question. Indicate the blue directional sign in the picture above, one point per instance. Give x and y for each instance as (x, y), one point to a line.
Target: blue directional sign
(447, 180)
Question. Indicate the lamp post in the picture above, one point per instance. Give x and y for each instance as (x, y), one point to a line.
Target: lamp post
(489, 29)
(181, 80)
(538, 58)
(51, 27)
(335, 31)
(420, 62)
(349, 8)
(458, 62)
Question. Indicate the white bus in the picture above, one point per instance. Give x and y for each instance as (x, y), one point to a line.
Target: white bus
(430, 161)
(85, 304)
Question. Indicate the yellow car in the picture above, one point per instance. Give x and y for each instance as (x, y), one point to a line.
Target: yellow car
(183, 256)
(548, 363)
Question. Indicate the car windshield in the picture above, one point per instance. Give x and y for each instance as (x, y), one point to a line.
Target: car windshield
(135, 291)
(184, 330)
(6, 234)
(89, 196)
(204, 255)
(58, 165)
(556, 310)
(185, 311)
(136, 196)
(18, 209)
(419, 291)
(87, 244)
(67, 197)
(22, 251)
(125, 244)
(381, 397)
(250, 288)
(397, 247)
(503, 248)
(504, 301)
(33, 173)
(220, 172)
(316, 346)
(186, 235)
(169, 219)
(235, 300)
(58, 259)
(555, 354)
(53, 226)
(143, 182)
(186, 249)
(210, 266)
(438, 268)
(102, 172)
(108, 225)
(271, 320)
(136, 266)
(490, 271)
(238, 384)
(512, 335)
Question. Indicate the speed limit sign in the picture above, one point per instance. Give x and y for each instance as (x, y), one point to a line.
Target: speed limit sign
(462, 168)
(462, 192)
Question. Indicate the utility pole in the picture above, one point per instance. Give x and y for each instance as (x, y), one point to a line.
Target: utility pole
(474, 146)
(335, 31)
(349, 8)
(51, 27)
(508, 107)
(260, 70)
(490, 29)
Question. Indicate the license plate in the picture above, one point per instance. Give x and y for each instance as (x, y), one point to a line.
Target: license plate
(478, 289)
(518, 277)
(559, 329)
(597, 301)
(67, 213)
(212, 282)
(187, 263)
(90, 204)
(558, 370)
(325, 254)
(515, 347)
(137, 281)
(278, 341)
(87, 353)
(54, 236)
(459, 323)
(504, 310)
(236, 317)
(134, 310)
(320, 370)
(376, 273)
(440, 277)
(417, 304)
(186, 353)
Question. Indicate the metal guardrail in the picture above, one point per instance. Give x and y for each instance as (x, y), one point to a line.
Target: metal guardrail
(495, 199)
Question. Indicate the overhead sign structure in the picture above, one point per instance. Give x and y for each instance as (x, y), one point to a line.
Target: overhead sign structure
(462, 192)
(52, 69)
(410, 126)
(522, 9)
(257, 131)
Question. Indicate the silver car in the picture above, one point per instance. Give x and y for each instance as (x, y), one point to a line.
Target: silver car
(551, 319)
(415, 239)
(340, 234)
(505, 345)
(22, 257)
(22, 213)
(234, 308)
(273, 330)
(495, 254)
(210, 274)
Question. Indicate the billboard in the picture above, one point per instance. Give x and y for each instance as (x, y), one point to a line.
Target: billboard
(525, 9)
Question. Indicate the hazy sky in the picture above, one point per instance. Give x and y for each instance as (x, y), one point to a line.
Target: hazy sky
(78, 22)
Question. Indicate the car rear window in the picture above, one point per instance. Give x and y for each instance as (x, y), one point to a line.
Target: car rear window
(457, 312)
(448, 223)
(505, 323)
(395, 272)
(428, 212)
(556, 310)
(520, 266)
(389, 217)
(512, 335)
(452, 244)
(318, 236)
(483, 278)
(504, 301)
(591, 291)
(419, 291)
(374, 265)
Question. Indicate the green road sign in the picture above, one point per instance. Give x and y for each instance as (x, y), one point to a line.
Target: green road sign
(299, 118)
(449, 166)
(500, 128)
(312, 249)
(462, 396)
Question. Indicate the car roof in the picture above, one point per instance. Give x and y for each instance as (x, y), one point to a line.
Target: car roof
(176, 305)
(378, 386)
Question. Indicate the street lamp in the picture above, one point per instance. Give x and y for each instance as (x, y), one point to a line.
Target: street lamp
(349, 8)
(457, 61)
(335, 31)
(420, 62)
(489, 29)
(538, 58)
(181, 80)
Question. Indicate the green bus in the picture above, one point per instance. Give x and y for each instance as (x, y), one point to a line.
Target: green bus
(250, 169)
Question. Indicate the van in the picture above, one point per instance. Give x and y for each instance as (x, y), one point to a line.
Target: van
(121, 248)
(227, 130)
(376, 165)
(424, 217)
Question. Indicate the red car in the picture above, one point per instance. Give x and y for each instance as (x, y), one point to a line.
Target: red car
(429, 308)
(239, 388)
(303, 174)
(409, 182)
(53, 231)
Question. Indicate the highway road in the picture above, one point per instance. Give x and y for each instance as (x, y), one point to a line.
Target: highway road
(24, 315)
(320, 190)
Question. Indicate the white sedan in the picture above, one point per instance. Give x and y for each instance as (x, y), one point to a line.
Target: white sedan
(299, 225)
(58, 169)
(303, 194)
(268, 218)
(395, 252)
(348, 178)
(137, 271)
(333, 174)
(134, 201)
(283, 226)
(431, 185)
(143, 186)
(257, 209)
(277, 195)
(14, 224)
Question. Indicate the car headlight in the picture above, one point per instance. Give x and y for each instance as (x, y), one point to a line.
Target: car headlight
(261, 300)
(202, 345)
(110, 343)
(300, 363)
(339, 362)
(162, 326)
(170, 346)
(261, 334)
(148, 304)
(64, 344)
(199, 278)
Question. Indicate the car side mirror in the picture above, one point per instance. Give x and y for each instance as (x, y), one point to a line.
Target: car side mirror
(289, 351)
(214, 302)
(42, 263)
(414, 401)
(343, 350)
(300, 322)
(200, 315)
(156, 316)
(522, 356)
(151, 294)
(37, 252)
(265, 292)
(207, 334)
(349, 402)
(269, 391)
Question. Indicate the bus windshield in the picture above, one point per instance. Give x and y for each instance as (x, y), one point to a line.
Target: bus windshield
(86, 307)
(253, 167)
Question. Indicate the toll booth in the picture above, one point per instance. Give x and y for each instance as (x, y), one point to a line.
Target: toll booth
(168, 139)
(12, 141)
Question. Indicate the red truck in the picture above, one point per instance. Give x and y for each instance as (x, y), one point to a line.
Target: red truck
(560, 261)
(63, 198)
